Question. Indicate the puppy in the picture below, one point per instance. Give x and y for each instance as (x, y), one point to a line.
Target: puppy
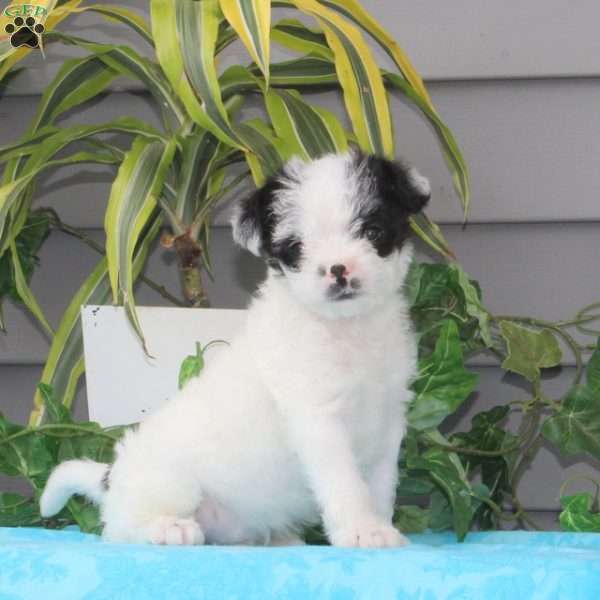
(301, 417)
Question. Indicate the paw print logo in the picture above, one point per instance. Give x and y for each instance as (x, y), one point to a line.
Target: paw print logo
(24, 32)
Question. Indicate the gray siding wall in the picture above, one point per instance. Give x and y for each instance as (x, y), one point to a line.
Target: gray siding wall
(519, 87)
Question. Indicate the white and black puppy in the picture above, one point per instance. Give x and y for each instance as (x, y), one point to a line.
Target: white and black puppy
(301, 417)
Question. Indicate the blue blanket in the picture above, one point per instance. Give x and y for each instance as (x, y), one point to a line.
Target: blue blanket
(44, 565)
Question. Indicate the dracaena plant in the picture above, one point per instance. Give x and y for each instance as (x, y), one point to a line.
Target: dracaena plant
(173, 175)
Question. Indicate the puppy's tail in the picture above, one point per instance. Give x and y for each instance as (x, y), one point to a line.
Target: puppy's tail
(83, 477)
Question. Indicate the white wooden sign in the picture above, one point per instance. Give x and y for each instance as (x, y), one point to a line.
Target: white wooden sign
(124, 385)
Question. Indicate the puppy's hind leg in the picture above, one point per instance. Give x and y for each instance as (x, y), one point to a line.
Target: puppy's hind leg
(154, 507)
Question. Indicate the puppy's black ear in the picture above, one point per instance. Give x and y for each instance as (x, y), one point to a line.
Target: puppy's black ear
(399, 184)
(253, 219)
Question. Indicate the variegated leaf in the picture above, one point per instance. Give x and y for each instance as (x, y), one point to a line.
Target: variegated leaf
(251, 20)
(364, 92)
(133, 199)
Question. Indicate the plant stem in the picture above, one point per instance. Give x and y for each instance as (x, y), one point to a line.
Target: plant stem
(589, 318)
(72, 231)
(520, 468)
(78, 429)
(475, 451)
(578, 477)
(189, 254)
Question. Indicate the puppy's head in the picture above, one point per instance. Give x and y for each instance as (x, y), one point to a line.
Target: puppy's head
(336, 229)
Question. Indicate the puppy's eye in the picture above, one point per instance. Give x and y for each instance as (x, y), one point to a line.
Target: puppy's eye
(373, 233)
(289, 252)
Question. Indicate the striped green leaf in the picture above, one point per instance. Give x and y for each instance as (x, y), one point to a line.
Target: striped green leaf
(431, 234)
(119, 14)
(126, 61)
(11, 193)
(166, 39)
(310, 132)
(12, 199)
(25, 292)
(133, 199)
(65, 362)
(305, 71)
(295, 35)
(267, 153)
(353, 10)
(186, 36)
(452, 154)
(238, 80)
(364, 92)
(77, 133)
(77, 81)
(198, 27)
(217, 190)
(27, 144)
(251, 20)
(199, 155)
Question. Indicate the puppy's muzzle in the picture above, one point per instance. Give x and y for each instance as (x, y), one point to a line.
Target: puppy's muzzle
(344, 287)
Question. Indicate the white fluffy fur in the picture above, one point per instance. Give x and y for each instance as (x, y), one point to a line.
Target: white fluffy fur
(301, 418)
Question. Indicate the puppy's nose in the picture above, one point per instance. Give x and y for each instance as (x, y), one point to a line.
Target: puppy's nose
(338, 271)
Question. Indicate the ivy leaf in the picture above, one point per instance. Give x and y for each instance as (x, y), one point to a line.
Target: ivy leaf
(26, 455)
(411, 518)
(576, 427)
(436, 293)
(473, 304)
(55, 411)
(428, 284)
(28, 242)
(29, 456)
(443, 383)
(86, 515)
(487, 434)
(440, 512)
(593, 368)
(529, 350)
(18, 511)
(414, 486)
(577, 513)
(446, 471)
(191, 366)
(94, 447)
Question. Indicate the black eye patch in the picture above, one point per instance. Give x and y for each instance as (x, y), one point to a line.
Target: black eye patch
(384, 231)
(289, 252)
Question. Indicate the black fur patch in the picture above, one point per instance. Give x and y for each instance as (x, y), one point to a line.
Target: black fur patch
(258, 216)
(257, 213)
(288, 252)
(385, 220)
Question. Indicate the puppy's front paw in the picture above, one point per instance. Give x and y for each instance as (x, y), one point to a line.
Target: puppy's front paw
(368, 532)
(175, 532)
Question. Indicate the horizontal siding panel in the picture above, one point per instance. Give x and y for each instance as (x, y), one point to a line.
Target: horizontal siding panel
(543, 270)
(470, 39)
(463, 39)
(531, 146)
